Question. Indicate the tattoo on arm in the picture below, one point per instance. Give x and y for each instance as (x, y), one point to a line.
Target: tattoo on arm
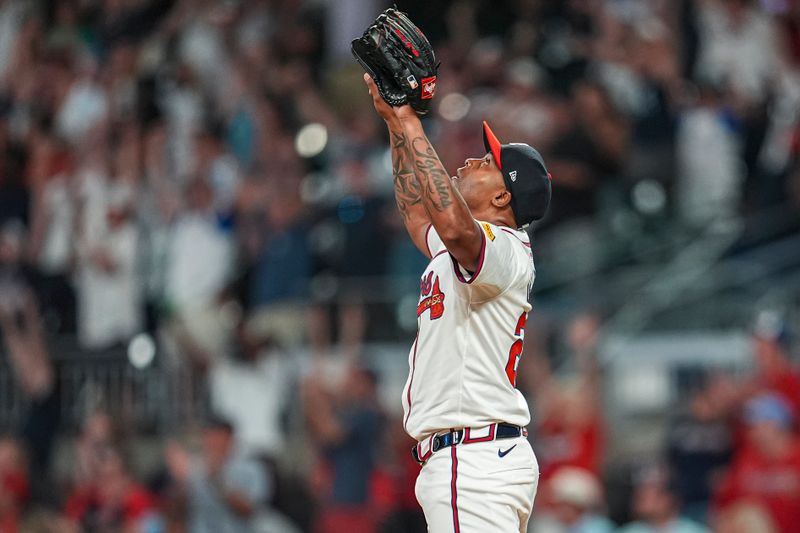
(436, 186)
(407, 191)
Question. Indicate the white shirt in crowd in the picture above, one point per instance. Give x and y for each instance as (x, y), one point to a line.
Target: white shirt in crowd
(85, 106)
(109, 303)
(710, 171)
(199, 261)
(252, 396)
(56, 252)
(744, 55)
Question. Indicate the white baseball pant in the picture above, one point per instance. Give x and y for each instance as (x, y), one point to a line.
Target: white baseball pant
(479, 487)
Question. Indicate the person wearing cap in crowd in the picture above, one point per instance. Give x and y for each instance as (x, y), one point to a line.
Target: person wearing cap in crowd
(461, 396)
(767, 470)
(700, 442)
(225, 490)
(656, 505)
(575, 496)
(772, 339)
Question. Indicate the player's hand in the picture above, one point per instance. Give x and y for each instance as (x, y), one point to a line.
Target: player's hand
(383, 109)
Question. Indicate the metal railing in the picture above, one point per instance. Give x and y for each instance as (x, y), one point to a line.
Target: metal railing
(154, 399)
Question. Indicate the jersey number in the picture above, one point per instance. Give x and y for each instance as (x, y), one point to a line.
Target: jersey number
(516, 350)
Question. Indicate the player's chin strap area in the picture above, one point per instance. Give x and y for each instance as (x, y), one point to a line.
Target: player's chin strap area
(465, 436)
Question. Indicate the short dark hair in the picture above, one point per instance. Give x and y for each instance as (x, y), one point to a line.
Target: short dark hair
(217, 421)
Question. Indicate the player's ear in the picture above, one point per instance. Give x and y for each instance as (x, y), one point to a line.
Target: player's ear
(502, 198)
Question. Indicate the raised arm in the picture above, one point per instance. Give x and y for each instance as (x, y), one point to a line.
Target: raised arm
(407, 191)
(446, 208)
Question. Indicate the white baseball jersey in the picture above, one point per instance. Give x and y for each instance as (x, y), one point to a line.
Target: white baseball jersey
(462, 366)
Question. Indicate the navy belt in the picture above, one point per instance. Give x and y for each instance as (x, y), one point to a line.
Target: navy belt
(462, 436)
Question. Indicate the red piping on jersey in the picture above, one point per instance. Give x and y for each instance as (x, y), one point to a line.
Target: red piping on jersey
(457, 268)
(411, 380)
(453, 491)
(428, 246)
(517, 237)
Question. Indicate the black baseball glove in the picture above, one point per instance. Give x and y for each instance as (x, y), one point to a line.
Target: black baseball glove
(398, 56)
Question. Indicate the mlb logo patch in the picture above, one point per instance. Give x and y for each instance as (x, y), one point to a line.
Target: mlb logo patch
(513, 175)
(412, 82)
(428, 87)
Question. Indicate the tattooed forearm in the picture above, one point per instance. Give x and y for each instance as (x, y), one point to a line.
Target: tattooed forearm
(446, 209)
(436, 186)
(406, 187)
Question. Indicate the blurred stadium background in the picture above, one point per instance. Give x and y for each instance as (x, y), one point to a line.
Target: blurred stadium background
(206, 296)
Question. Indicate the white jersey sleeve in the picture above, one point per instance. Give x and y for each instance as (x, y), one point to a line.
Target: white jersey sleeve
(505, 259)
(433, 241)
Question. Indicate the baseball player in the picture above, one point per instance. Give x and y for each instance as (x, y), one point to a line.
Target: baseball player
(460, 403)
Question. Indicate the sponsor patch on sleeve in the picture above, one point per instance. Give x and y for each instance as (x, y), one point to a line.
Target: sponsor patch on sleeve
(488, 229)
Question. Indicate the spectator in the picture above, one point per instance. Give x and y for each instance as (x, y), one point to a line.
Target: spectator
(52, 228)
(251, 390)
(708, 152)
(657, 508)
(112, 501)
(108, 289)
(11, 17)
(588, 156)
(394, 483)
(699, 446)
(159, 209)
(198, 267)
(219, 168)
(15, 191)
(24, 336)
(225, 490)
(85, 107)
(569, 424)
(361, 213)
(181, 103)
(14, 486)
(345, 427)
(279, 287)
(737, 47)
(774, 371)
(574, 498)
(767, 470)
(96, 437)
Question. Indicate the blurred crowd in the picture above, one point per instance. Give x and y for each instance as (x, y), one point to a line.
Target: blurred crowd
(208, 180)
(728, 460)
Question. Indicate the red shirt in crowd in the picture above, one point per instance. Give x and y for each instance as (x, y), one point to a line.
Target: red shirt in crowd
(135, 504)
(787, 384)
(14, 486)
(771, 483)
(557, 445)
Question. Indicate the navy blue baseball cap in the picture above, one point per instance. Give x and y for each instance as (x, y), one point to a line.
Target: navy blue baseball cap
(524, 174)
